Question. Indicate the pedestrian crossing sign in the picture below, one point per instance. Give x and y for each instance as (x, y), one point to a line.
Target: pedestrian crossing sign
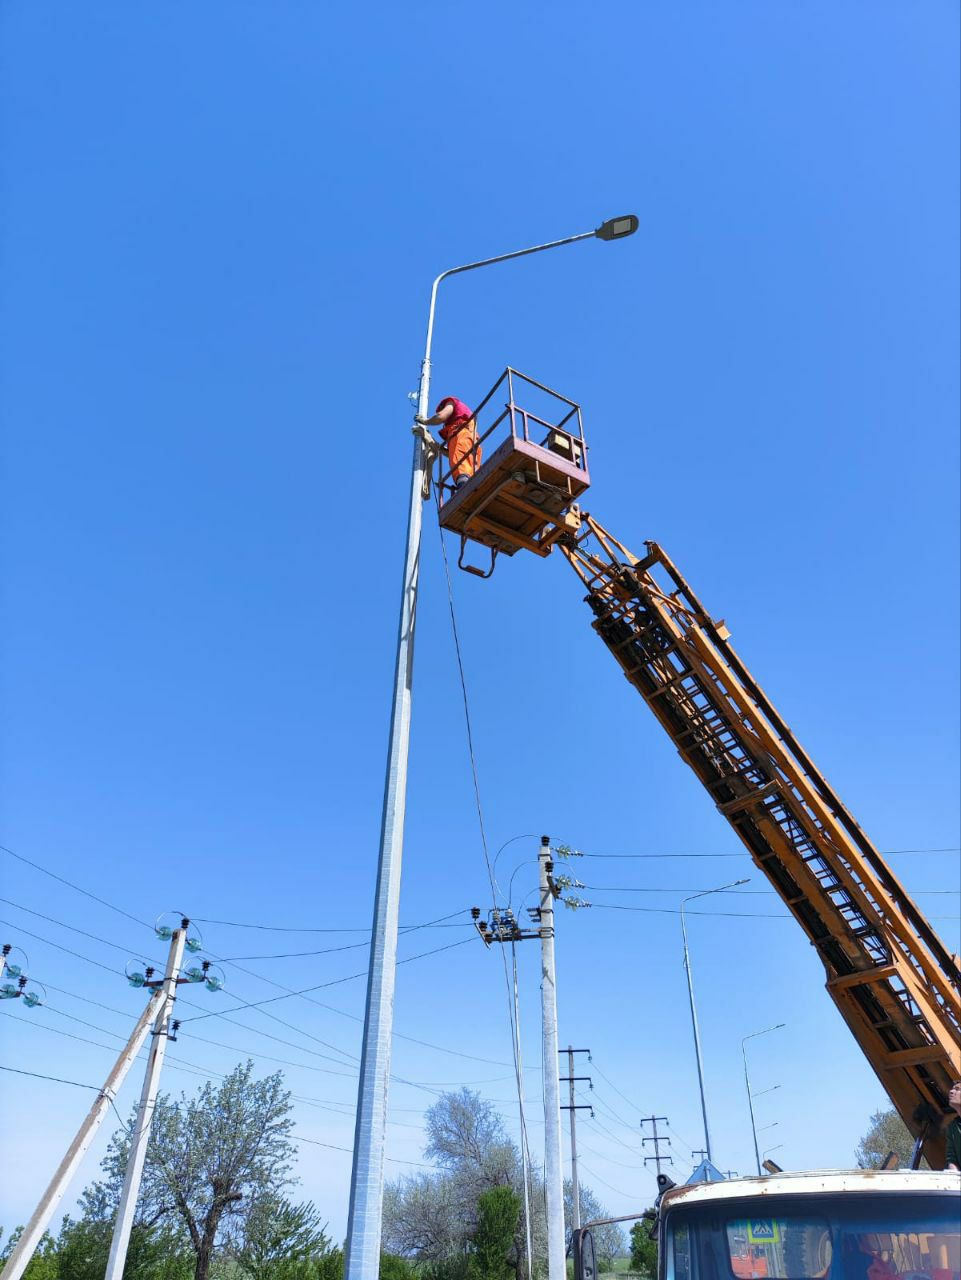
(763, 1231)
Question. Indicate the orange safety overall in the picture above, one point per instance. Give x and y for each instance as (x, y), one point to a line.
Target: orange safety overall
(460, 436)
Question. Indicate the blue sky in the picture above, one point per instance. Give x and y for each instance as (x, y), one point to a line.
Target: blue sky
(220, 227)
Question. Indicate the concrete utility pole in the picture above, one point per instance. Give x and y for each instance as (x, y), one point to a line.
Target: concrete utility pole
(23, 1252)
(365, 1212)
(570, 1079)
(148, 1097)
(553, 1173)
(657, 1139)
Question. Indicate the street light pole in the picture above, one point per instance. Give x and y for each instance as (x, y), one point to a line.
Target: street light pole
(747, 1085)
(690, 993)
(367, 1172)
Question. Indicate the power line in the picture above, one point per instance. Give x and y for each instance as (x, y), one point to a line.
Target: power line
(483, 835)
(76, 1083)
(289, 928)
(350, 946)
(884, 853)
(70, 885)
(674, 911)
(744, 893)
(73, 929)
(730, 915)
(632, 1105)
(628, 1195)
(76, 954)
(256, 1004)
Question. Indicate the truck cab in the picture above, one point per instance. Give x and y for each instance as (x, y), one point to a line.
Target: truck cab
(832, 1225)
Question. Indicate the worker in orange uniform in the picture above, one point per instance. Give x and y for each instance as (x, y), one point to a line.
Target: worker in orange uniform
(458, 430)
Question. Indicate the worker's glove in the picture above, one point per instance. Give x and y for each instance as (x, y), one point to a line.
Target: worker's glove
(421, 421)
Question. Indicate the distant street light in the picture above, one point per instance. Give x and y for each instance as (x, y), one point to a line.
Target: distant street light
(747, 1084)
(690, 991)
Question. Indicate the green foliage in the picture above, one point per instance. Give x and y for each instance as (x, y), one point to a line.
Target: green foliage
(643, 1248)
(887, 1132)
(498, 1212)
(43, 1264)
(330, 1266)
(393, 1267)
(455, 1266)
(81, 1250)
(282, 1240)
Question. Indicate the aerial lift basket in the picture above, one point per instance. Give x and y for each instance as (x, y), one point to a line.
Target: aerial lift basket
(523, 495)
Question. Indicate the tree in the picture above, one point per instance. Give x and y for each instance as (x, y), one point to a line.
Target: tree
(158, 1252)
(43, 1264)
(609, 1241)
(498, 1212)
(643, 1248)
(209, 1160)
(887, 1132)
(394, 1268)
(282, 1240)
(433, 1217)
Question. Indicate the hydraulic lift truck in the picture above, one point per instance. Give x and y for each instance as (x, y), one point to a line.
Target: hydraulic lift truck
(891, 977)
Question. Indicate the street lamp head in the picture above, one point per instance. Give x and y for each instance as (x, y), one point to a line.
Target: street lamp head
(618, 228)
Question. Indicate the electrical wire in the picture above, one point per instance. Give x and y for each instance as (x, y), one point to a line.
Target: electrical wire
(129, 951)
(884, 853)
(632, 1105)
(70, 885)
(287, 928)
(349, 946)
(730, 915)
(76, 1083)
(350, 977)
(66, 950)
(743, 893)
(480, 819)
(628, 1195)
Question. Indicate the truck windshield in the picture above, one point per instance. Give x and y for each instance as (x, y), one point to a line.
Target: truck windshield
(852, 1236)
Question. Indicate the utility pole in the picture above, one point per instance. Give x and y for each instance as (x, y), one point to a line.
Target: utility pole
(657, 1139)
(148, 1097)
(503, 927)
(573, 1108)
(33, 1232)
(553, 1174)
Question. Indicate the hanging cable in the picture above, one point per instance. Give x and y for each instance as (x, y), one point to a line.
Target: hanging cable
(511, 994)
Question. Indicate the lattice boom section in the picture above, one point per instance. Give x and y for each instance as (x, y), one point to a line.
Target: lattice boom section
(889, 974)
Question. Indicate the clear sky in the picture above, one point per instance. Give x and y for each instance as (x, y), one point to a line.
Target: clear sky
(220, 223)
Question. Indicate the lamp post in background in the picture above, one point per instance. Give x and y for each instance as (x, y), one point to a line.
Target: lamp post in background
(367, 1172)
(690, 991)
(747, 1085)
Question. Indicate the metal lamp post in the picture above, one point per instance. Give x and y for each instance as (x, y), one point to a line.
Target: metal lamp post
(690, 992)
(747, 1085)
(367, 1173)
